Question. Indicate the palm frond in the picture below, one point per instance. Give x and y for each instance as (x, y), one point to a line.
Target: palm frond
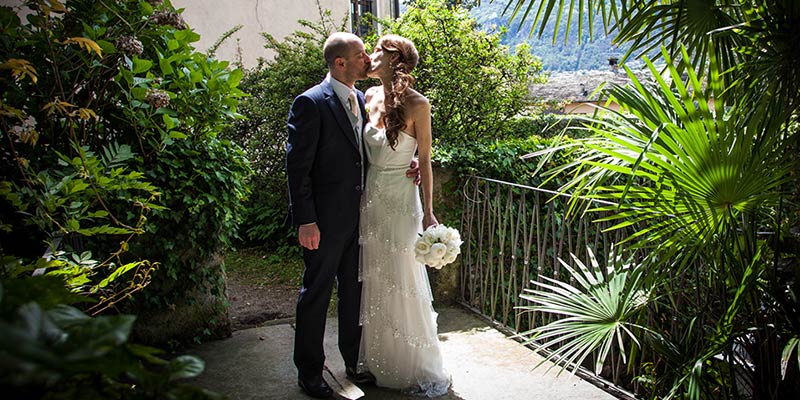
(682, 171)
(596, 316)
(792, 346)
(577, 11)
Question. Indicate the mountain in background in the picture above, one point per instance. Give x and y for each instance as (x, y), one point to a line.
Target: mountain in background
(558, 56)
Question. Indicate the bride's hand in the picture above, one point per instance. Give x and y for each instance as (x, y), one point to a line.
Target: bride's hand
(413, 171)
(428, 220)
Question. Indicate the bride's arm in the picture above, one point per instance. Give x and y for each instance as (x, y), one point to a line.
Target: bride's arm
(422, 126)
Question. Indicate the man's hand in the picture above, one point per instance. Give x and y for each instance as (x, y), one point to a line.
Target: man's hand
(308, 236)
(413, 171)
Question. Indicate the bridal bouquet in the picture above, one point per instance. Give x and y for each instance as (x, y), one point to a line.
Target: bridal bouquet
(438, 246)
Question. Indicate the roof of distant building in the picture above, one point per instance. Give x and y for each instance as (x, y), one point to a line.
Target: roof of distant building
(578, 86)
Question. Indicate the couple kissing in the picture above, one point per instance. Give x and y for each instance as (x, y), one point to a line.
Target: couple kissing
(354, 198)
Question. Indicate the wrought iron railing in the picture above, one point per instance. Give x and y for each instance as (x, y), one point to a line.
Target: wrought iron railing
(514, 234)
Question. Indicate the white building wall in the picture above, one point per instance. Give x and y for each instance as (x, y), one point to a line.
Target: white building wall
(212, 18)
(383, 8)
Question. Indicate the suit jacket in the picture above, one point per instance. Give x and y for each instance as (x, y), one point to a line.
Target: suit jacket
(323, 161)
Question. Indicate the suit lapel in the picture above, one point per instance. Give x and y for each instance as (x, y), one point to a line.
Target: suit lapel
(362, 107)
(339, 112)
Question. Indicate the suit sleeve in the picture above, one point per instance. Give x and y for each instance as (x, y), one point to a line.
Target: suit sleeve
(304, 130)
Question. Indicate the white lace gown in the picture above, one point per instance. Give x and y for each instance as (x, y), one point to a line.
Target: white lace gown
(399, 341)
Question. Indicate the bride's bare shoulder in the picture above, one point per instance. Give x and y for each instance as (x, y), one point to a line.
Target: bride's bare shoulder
(416, 101)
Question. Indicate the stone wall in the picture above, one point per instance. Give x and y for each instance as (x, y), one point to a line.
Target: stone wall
(447, 208)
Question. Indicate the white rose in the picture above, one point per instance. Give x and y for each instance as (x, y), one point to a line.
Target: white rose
(453, 251)
(429, 236)
(422, 247)
(454, 245)
(449, 258)
(432, 232)
(450, 235)
(438, 250)
(421, 259)
(432, 259)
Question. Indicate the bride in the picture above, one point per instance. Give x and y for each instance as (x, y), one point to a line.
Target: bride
(399, 343)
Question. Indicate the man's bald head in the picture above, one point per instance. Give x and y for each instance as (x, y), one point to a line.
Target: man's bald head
(339, 44)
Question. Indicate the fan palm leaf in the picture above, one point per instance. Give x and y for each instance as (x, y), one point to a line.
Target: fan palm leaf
(770, 52)
(595, 317)
(644, 24)
(652, 24)
(682, 170)
(758, 43)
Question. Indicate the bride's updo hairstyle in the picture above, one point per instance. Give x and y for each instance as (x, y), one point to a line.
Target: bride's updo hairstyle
(394, 120)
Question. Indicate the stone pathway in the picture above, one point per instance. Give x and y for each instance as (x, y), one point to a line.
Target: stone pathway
(257, 364)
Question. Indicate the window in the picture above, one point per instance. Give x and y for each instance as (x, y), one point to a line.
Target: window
(359, 8)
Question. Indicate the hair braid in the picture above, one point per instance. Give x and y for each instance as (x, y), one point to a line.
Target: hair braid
(402, 80)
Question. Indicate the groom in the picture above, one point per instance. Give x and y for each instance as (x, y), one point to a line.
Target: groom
(325, 169)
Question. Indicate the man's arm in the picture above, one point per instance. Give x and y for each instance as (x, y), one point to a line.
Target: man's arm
(303, 125)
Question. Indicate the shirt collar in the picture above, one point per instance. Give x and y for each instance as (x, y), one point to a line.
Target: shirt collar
(341, 90)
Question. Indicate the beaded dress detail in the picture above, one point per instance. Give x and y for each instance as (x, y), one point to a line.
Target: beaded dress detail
(399, 341)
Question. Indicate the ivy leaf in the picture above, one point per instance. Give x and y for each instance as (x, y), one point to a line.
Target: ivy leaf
(177, 135)
(169, 121)
(166, 68)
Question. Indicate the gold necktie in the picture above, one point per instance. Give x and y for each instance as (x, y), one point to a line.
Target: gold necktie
(351, 98)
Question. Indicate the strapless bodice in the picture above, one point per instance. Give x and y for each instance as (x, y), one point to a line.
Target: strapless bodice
(381, 156)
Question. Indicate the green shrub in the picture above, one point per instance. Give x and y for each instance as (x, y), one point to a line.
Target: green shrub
(500, 159)
(110, 121)
(474, 83)
(545, 126)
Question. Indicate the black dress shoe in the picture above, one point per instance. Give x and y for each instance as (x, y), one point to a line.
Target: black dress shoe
(360, 377)
(315, 387)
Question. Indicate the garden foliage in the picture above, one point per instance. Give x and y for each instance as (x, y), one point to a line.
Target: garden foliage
(272, 86)
(50, 349)
(475, 84)
(700, 165)
(111, 156)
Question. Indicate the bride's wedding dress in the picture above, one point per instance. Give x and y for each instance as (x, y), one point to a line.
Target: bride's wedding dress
(399, 342)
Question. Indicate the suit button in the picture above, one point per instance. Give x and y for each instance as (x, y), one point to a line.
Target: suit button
(358, 188)
(358, 163)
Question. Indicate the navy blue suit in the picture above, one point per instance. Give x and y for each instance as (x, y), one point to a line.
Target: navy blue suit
(324, 169)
